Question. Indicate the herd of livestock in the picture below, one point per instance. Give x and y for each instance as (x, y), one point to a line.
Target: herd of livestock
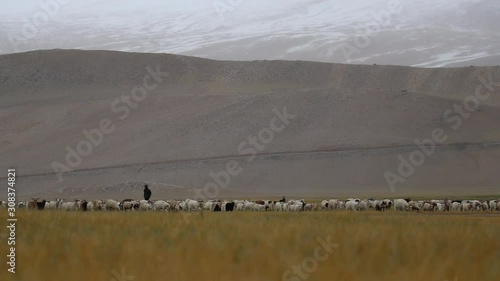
(190, 205)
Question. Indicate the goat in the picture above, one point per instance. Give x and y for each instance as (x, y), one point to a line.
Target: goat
(33, 203)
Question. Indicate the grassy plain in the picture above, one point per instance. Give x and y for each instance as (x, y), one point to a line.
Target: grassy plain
(56, 245)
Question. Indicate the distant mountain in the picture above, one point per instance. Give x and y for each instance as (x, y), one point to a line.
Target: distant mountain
(417, 33)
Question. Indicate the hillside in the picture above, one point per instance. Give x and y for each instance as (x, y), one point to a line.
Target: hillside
(350, 124)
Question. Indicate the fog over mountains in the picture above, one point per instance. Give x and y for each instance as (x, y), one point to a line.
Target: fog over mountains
(417, 33)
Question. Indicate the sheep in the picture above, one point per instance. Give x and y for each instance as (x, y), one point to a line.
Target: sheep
(296, 205)
(95, 205)
(174, 205)
(428, 206)
(81, 205)
(333, 204)
(228, 206)
(380, 207)
(40, 205)
(352, 205)
(401, 205)
(485, 206)
(310, 207)
(180, 206)
(340, 204)
(69, 206)
(35, 204)
(193, 205)
(129, 205)
(22, 205)
(466, 206)
(438, 207)
(363, 205)
(324, 205)
(84, 205)
(456, 206)
(161, 205)
(145, 205)
(493, 205)
(258, 207)
(91, 206)
(54, 205)
(388, 203)
(476, 205)
(209, 206)
(112, 205)
(413, 206)
(277, 206)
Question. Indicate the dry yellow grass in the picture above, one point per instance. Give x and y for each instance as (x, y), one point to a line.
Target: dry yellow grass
(253, 246)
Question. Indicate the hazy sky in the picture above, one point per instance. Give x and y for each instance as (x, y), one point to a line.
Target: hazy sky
(28, 7)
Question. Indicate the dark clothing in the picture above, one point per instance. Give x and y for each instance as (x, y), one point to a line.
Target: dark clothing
(147, 193)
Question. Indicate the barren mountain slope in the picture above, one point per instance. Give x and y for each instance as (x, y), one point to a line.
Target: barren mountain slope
(349, 123)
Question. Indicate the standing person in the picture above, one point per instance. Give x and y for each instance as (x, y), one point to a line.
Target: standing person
(147, 192)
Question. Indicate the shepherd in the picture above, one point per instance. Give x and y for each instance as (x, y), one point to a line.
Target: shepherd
(147, 192)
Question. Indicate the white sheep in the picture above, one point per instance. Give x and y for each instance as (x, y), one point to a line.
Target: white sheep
(69, 206)
(112, 205)
(161, 205)
(144, 205)
(401, 205)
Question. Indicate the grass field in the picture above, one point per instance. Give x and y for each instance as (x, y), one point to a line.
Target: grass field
(254, 246)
